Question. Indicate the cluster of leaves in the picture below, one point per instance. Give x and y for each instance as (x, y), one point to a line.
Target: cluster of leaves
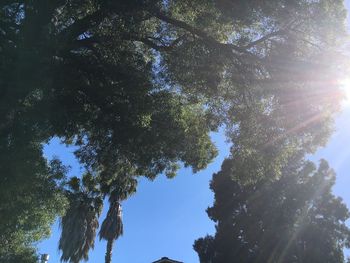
(293, 219)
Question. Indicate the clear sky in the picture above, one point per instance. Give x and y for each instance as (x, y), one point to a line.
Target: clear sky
(165, 216)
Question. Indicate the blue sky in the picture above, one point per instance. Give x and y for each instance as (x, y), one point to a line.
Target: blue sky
(165, 216)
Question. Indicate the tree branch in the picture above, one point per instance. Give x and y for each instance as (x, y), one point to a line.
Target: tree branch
(203, 35)
(264, 38)
(153, 45)
(89, 42)
(82, 25)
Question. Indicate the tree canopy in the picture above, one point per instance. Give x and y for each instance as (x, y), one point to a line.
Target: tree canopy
(293, 219)
(114, 74)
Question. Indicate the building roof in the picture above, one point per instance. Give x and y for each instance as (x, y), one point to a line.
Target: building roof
(166, 260)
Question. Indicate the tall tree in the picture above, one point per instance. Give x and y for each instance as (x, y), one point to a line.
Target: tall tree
(80, 222)
(112, 226)
(293, 219)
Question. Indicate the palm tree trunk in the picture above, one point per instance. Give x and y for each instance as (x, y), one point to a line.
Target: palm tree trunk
(108, 257)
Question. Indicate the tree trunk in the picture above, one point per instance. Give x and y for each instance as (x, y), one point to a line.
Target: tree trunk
(108, 257)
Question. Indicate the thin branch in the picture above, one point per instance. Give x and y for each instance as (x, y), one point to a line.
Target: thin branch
(305, 40)
(82, 25)
(90, 42)
(195, 31)
(264, 38)
(148, 42)
(151, 44)
(280, 32)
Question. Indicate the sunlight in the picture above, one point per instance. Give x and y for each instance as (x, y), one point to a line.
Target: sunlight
(345, 86)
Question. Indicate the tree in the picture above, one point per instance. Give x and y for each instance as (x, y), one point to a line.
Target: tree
(112, 226)
(80, 222)
(28, 204)
(156, 57)
(293, 219)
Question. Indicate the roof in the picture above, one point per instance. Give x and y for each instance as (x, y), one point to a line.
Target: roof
(166, 260)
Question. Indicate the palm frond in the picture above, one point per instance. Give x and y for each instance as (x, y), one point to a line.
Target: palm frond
(112, 225)
(79, 226)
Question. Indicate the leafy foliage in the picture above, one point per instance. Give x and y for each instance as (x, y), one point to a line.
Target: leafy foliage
(108, 104)
(293, 219)
(29, 204)
(126, 80)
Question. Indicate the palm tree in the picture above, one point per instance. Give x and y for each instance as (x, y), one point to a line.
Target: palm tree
(112, 227)
(80, 222)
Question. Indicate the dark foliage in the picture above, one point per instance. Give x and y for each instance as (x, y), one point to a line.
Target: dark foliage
(293, 219)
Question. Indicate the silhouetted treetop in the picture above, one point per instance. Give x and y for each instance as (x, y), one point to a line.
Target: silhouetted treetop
(293, 219)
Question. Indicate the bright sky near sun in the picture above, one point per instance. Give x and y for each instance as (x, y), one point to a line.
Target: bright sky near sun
(165, 216)
(345, 83)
